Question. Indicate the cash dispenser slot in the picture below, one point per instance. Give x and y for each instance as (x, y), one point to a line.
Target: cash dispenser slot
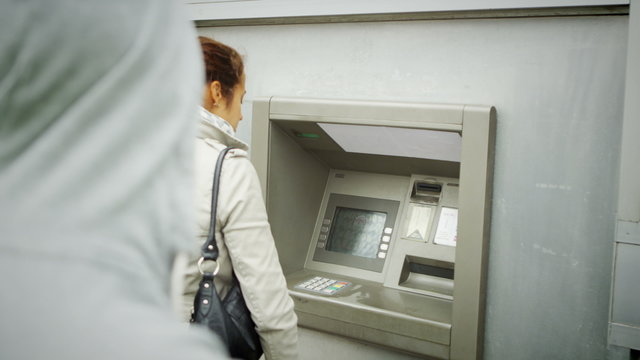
(431, 270)
(427, 275)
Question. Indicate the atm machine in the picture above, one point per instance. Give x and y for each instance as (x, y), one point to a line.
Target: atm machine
(381, 213)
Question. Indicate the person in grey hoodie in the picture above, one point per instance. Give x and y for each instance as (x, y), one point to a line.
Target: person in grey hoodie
(96, 106)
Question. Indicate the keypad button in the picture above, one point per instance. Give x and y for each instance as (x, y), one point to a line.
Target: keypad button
(388, 230)
(386, 238)
(382, 255)
(384, 246)
(322, 285)
(324, 229)
(326, 221)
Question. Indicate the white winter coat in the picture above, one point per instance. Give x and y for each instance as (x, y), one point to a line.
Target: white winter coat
(244, 239)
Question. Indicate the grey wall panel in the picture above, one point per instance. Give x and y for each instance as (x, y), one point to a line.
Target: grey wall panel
(625, 311)
(626, 288)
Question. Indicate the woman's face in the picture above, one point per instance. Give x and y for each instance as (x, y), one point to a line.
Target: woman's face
(231, 110)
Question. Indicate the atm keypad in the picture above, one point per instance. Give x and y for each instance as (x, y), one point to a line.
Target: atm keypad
(323, 285)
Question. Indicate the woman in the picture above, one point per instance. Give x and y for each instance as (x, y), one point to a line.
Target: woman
(243, 234)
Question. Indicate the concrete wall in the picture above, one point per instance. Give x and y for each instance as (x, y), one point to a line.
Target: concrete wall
(558, 87)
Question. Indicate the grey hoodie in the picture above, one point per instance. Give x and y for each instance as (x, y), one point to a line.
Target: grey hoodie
(96, 106)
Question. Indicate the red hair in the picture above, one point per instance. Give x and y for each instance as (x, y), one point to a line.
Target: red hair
(222, 63)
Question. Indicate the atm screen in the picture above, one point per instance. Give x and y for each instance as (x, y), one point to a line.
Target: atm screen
(356, 232)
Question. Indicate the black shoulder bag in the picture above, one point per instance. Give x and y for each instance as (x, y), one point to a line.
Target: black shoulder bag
(229, 318)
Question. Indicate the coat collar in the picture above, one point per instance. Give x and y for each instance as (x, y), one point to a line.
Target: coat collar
(214, 127)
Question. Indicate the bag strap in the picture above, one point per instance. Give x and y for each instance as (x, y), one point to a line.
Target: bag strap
(210, 247)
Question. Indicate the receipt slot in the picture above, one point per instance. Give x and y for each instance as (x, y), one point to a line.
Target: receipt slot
(381, 212)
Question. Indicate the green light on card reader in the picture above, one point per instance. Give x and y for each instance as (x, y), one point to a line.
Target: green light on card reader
(307, 135)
